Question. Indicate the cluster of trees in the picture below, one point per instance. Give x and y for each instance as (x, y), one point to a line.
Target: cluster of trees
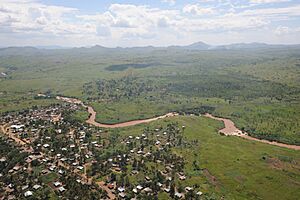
(123, 88)
(197, 110)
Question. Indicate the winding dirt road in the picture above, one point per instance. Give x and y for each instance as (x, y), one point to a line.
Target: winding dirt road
(92, 120)
(92, 117)
(231, 129)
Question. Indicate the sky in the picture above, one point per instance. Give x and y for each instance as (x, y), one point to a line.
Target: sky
(128, 23)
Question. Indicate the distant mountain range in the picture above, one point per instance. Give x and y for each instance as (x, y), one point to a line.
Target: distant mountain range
(97, 48)
(255, 45)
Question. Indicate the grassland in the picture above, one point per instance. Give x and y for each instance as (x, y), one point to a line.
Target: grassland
(229, 165)
(258, 89)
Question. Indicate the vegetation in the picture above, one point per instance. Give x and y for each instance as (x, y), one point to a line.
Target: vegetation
(223, 166)
(257, 88)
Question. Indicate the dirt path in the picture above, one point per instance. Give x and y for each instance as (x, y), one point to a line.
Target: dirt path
(231, 129)
(109, 192)
(92, 118)
(12, 136)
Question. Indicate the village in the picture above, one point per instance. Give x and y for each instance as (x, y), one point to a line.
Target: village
(54, 155)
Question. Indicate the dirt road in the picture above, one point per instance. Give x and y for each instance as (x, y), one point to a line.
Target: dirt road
(231, 129)
(12, 136)
(92, 120)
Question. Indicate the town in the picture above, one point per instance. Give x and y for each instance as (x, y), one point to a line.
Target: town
(47, 154)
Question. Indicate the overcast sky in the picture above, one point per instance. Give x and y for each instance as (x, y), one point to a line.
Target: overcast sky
(141, 23)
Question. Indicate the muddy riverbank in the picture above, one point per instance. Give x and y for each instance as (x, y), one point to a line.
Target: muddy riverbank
(231, 129)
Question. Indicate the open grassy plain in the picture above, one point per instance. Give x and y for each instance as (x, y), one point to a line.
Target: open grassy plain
(258, 89)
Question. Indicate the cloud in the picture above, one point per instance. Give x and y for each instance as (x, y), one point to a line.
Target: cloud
(196, 9)
(30, 16)
(122, 22)
(127, 21)
(163, 22)
(103, 31)
(171, 2)
(267, 1)
(284, 30)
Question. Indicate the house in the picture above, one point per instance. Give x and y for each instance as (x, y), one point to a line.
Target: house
(36, 187)
(61, 189)
(147, 190)
(52, 168)
(56, 184)
(199, 193)
(134, 172)
(16, 168)
(121, 189)
(139, 187)
(17, 127)
(178, 195)
(122, 195)
(188, 189)
(25, 187)
(140, 152)
(28, 194)
(167, 190)
(159, 184)
(3, 159)
(135, 190)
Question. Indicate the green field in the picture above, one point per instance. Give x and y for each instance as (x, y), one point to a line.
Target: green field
(258, 89)
(229, 166)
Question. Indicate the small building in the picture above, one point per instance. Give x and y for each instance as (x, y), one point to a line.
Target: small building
(28, 194)
(121, 189)
(139, 187)
(178, 195)
(57, 183)
(36, 187)
(61, 189)
(122, 195)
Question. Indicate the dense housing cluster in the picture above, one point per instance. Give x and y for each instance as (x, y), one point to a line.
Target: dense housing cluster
(55, 155)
